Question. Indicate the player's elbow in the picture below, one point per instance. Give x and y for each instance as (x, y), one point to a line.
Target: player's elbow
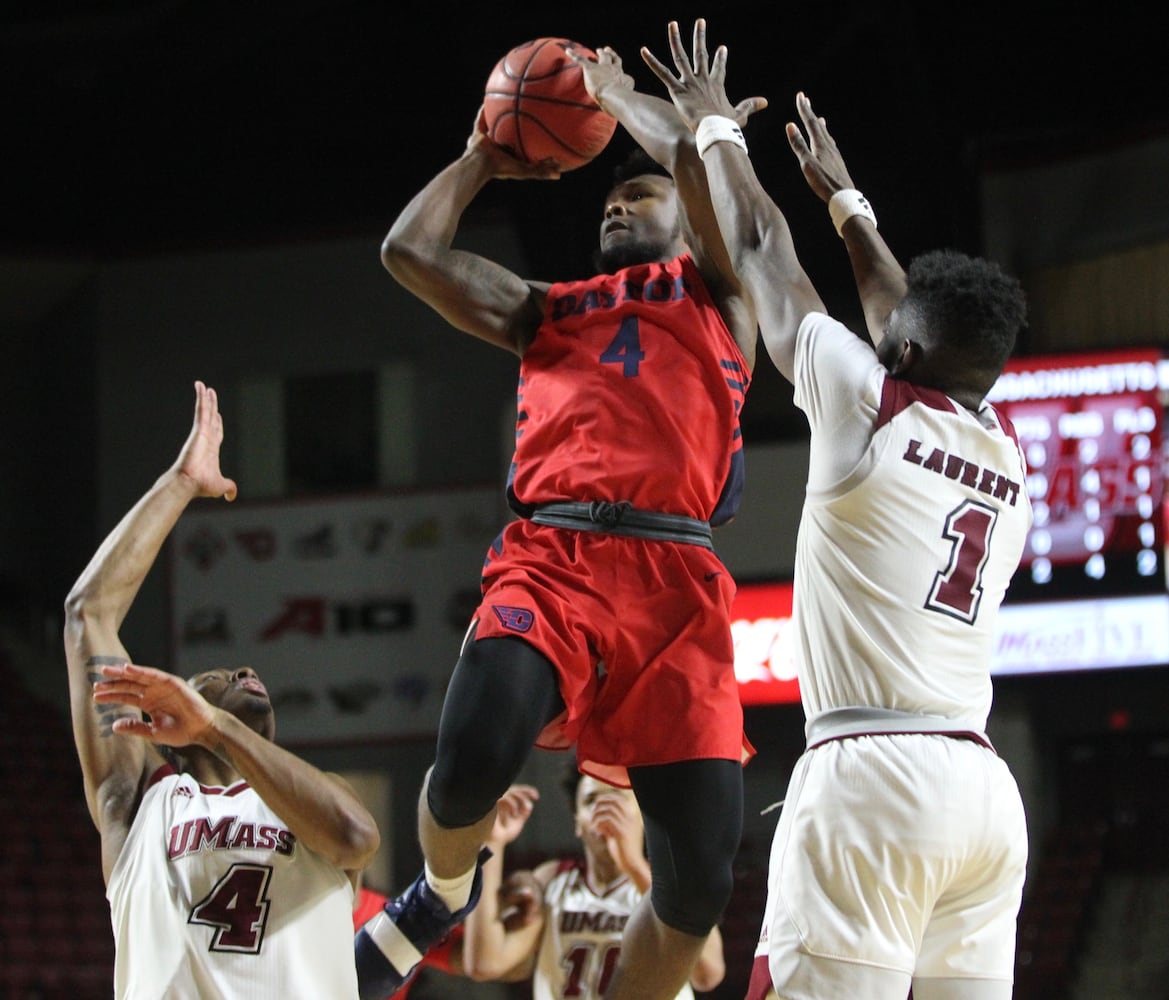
(362, 840)
(479, 967)
(480, 973)
(492, 960)
(78, 607)
(353, 841)
(401, 257)
(392, 252)
(87, 614)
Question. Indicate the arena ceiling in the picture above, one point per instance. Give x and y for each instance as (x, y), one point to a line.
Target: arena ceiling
(143, 123)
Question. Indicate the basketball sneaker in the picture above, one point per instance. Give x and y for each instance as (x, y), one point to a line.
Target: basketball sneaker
(390, 945)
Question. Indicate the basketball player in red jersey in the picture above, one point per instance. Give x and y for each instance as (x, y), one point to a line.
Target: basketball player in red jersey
(229, 862)
(604, 621)
(900, 855)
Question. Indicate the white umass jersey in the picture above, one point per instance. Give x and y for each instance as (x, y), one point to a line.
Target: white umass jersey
(914, 522)
(582, 936)
(213, 897)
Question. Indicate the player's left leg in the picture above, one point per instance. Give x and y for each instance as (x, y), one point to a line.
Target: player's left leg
(693, 813)
(968, 948)
(502, 693)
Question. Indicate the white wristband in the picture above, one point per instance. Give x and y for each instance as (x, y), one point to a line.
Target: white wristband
(716, 128)
(846, 203)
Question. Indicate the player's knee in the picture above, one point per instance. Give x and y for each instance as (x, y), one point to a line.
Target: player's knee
(478, 758)
(487, 729)
(693, 905)
(458, 795)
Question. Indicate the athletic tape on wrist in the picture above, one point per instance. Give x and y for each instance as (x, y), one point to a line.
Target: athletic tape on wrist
(846, 203)
(716, 128)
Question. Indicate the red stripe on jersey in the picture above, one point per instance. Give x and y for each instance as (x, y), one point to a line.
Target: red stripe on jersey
(898, 395)
(162, 771)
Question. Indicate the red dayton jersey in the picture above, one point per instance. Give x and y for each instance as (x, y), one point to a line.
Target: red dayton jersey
(631, 390)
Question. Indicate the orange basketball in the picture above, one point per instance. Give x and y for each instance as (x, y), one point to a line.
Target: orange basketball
(536, 107)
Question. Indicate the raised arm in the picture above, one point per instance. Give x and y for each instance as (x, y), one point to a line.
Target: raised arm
(880, 279)
(321, 810)
(654, 125)
(114, 767)
(472, 293)
(492, 949)
(755, 231)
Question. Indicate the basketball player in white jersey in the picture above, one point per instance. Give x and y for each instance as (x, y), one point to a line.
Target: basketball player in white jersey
(569, 943)
(229, 862)
(900, 853)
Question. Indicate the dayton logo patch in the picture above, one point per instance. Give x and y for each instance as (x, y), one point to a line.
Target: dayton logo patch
(513, 619)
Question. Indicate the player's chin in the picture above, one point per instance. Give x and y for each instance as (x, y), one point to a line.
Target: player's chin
(254, 710)
(252, 699)
(620, 249)
(615, 234)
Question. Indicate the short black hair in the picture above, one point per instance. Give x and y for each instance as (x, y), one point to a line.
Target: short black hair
(638, 162)
(971, 304)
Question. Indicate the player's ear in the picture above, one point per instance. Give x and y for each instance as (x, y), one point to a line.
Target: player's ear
(907, 355)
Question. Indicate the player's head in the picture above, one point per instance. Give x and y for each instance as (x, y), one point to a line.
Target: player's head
(641, 221)
(241, 693)
(963, 314)
(587, 794)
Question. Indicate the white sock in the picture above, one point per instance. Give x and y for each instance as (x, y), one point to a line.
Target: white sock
(455, 892)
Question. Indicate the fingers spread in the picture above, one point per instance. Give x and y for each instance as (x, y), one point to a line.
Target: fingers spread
(795, 139)
(746, 108)
(699, 57)
(660, 70)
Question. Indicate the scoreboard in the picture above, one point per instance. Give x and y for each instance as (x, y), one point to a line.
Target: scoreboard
(1091, 429)
(1090, 592)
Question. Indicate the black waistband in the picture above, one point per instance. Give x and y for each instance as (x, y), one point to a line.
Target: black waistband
(623, 518)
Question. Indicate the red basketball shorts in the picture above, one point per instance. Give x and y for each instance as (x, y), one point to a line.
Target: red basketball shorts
(639, 632)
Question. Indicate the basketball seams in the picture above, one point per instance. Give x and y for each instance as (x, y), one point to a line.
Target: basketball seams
(537, 108)
(549, 134)
(562, 63)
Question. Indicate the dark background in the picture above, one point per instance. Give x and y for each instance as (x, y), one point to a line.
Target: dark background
(132, 126)
(138, 128)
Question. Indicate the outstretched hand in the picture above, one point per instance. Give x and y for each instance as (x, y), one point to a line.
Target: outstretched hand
(820, 160)
(178, 714)
(513, 810)
(602, 74)
(199, 460)
(699, 87)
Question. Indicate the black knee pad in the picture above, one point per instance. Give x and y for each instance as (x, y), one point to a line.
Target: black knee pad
(460, 797)
(502, 693)
(693, 813)
(694, 903)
